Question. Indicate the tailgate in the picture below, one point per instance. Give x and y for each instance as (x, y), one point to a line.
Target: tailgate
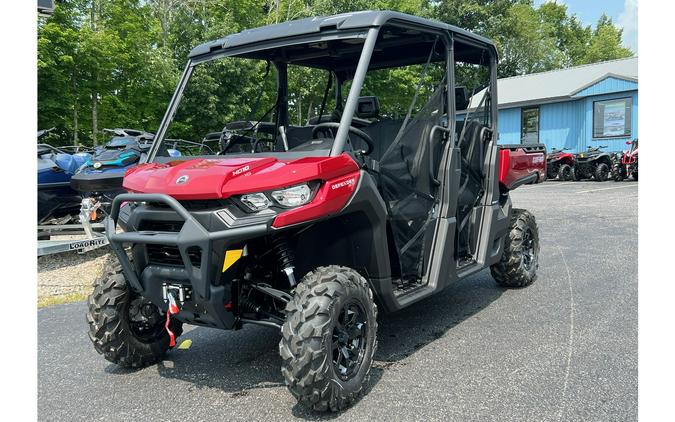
(520, 164)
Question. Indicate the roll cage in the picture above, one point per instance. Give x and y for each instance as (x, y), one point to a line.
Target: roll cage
(348, 46)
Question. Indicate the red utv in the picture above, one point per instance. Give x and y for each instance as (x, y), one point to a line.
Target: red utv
(560, 165)
(312, 227)
(523, 161)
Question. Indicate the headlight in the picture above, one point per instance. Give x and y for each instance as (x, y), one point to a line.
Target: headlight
(293, 197)
(255, 201)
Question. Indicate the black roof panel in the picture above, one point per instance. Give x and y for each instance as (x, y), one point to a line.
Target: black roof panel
(344, 21)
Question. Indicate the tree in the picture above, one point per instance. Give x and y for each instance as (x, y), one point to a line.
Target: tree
(572, 38)
(605, 43)
(115, 63)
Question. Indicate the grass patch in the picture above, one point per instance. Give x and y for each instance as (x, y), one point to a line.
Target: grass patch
(58, 300)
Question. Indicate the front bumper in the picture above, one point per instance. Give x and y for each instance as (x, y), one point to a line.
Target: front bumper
(203, 275)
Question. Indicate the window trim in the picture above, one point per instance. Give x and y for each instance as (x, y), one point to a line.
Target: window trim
(522, 123)
(624, 135)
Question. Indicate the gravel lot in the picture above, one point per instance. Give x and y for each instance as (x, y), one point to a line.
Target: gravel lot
(68, 274)
(564, 348)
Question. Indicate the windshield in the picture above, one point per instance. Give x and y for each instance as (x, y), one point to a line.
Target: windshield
(248, 105)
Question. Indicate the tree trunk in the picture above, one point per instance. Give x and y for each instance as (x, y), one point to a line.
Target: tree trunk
(76, 128)
(309, 112)
(299, 110)
(94, 117)
(94, 98)
(76, 139)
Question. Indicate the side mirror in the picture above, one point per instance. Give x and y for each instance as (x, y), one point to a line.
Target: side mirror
(461, 98)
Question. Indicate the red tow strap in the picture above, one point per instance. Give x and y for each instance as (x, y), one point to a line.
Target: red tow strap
(173, 310)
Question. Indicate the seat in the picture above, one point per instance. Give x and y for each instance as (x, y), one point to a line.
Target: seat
(298, 135)
(383, 132)
(471, 180)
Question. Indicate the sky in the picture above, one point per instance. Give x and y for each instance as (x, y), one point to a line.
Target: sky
(622, 12)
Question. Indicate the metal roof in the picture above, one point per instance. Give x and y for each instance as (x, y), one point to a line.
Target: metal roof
(314, 25)
(563, 84)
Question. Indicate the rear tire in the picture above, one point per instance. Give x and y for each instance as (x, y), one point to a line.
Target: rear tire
(327, 351)
(635, 175)
(520, 259)
(601, 172)
(618, 173)
(565, 173)
(576, 175)
(115, 335)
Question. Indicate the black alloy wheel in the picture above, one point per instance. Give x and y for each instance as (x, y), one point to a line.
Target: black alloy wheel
(349, 340)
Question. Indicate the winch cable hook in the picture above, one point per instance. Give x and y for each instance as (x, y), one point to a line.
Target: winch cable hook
(173, 310)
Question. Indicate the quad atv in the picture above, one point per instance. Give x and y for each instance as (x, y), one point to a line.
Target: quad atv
(593, 164)
(626, 163)
(357, 211)
(560, 165)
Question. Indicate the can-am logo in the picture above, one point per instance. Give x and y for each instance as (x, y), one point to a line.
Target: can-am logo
(184, 178)
(241, 170)
(343, 184)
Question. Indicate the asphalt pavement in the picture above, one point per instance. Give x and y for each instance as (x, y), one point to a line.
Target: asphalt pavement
(563, 349)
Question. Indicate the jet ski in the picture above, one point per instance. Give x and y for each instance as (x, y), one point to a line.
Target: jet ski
(56, 199)
(104, 171)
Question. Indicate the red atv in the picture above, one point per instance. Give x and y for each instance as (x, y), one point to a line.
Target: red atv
(626, 163)
(560, 165)
(312, 228)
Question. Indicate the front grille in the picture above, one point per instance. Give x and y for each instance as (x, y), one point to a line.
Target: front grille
(194, 205)
(169, 255)
(160, 226)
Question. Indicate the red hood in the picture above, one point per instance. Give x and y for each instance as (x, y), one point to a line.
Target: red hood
(219, 178)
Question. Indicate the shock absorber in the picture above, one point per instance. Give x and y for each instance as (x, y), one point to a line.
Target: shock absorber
(285, 258)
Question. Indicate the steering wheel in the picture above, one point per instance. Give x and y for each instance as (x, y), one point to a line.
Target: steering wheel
(334, 125)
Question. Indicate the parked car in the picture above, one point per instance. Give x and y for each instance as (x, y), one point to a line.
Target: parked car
(333, 223)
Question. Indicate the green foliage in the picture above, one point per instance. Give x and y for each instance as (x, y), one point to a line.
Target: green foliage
(606, 43)
(116, 62)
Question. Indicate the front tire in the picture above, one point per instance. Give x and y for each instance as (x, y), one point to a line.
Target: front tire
(520, 259)
(329, 338)
(601, 172)
(124, 327)
(565, 173)
(619, 173)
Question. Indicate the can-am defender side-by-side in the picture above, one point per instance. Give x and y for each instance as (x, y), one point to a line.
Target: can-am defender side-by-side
(316, 221)
(593, 163)
(560, 165)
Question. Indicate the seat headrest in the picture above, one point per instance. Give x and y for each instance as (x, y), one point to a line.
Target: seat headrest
(368, 107)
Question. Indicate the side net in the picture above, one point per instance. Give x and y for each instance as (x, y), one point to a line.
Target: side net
(407, 187)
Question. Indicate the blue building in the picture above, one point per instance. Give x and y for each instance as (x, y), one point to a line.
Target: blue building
(591, 105)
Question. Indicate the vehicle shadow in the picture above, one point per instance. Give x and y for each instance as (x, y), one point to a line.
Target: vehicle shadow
(238, 362)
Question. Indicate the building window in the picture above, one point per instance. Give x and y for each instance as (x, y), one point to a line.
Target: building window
(530, 126)
(612, 118)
